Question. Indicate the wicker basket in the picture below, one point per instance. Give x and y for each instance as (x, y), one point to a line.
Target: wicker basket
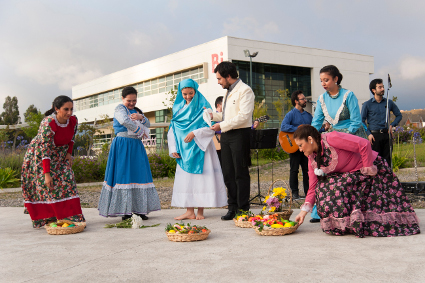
(243, 224)
(286, 213)
(79, 227)
(188, 237)
(276, 231)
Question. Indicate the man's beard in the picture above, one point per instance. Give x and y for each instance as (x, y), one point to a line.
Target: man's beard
(304, 105)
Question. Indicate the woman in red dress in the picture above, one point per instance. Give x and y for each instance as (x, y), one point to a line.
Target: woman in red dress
(48, 183)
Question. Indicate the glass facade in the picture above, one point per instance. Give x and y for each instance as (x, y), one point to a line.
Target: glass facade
(269, 78)
(160, 117)
(99, 140)
(158, 85)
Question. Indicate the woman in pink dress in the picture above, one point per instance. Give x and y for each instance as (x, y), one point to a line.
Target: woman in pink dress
(354, 189)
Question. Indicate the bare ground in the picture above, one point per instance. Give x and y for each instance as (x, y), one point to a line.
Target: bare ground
(270, 173)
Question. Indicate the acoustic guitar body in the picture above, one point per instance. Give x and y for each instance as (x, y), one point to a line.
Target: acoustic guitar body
(287, 142)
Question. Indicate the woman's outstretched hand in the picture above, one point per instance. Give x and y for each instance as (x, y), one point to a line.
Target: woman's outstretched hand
(189, 137)
(175, 155)
(300, 217)
(69, 158)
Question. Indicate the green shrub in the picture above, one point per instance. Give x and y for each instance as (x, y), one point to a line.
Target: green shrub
(13, 161)
(272, 154)
(8, 178)
(88, 169)
(162, 165)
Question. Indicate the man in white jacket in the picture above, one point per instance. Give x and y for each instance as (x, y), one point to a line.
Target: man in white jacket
(235, 125)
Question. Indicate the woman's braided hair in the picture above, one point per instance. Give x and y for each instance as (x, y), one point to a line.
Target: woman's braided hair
(305, 131)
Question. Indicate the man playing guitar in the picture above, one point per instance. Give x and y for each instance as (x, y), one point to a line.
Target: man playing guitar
(294, 118)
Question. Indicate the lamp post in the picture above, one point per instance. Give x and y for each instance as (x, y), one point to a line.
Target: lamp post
(247, 54)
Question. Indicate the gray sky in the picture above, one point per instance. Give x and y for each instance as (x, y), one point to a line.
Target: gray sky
(46, 47)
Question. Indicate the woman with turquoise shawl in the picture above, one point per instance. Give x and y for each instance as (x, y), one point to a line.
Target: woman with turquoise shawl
(198, 181)
(338, 106)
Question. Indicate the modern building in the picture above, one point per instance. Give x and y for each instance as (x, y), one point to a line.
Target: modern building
(277, 68)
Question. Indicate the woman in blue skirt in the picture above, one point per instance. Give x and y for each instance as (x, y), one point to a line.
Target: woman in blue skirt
(128, 187)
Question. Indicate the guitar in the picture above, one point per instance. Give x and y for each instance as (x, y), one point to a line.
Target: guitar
(217, 137)
(261, 119)
(287, 142)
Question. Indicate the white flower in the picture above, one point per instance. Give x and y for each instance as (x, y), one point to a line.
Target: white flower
(319, 172)
(136, 221)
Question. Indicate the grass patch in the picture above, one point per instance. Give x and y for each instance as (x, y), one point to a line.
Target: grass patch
(406, 150)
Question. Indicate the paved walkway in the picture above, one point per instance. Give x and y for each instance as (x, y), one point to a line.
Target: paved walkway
(230, 254)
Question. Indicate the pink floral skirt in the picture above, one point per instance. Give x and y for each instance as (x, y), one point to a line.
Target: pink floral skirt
(365, 205)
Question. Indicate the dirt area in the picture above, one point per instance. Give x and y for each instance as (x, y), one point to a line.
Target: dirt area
(269, 173)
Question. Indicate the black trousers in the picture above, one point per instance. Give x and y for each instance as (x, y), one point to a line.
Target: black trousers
(382, 146)
(235, 156)
(295, 160)
(219, 157)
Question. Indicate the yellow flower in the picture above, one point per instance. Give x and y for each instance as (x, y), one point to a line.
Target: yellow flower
(266, 198)
(272, 208)
(279, 191)
(264, 207)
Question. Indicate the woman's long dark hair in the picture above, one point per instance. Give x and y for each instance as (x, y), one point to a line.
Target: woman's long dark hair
(305, 131)
(333, 72)
(58, 103)
(130, 90)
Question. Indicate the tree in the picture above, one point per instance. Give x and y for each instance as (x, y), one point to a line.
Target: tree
(260, 109)
(10, 115)
(284, 104)
(169, 102)
(30, 110)
(33, 120)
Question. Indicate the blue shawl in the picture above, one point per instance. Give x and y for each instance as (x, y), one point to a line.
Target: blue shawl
(186, 121)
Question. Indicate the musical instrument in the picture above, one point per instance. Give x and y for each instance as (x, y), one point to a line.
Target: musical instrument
(217, 137)
(287, 142)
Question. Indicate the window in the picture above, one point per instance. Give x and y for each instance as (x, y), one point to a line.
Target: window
(145, 88)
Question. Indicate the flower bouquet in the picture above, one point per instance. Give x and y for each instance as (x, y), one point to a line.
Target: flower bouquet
(272, 225)
(181, 232)
(274, 202)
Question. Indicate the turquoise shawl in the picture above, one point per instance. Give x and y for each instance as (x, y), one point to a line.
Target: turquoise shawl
(186, 121)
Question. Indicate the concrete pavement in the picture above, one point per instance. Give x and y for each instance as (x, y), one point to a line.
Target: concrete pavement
(230, 254)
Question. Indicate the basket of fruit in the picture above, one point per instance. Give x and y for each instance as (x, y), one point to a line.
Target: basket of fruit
(275, 201)
(243, 219)
(181, 232)
(64, 227)
(271, 225)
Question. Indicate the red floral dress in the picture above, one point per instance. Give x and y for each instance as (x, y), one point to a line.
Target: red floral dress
(46, 153)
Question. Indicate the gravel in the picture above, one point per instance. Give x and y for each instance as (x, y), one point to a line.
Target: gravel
(268, 174)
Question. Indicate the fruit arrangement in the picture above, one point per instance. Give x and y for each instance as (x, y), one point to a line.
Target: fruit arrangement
(270, 222)
(181, 228)
(63, 227)
(244, 219)
(244, 216)
(181, 232)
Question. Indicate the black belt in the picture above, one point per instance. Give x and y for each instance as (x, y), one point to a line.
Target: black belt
(381, 131)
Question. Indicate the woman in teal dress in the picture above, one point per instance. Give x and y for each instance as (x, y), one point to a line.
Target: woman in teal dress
(337, 106)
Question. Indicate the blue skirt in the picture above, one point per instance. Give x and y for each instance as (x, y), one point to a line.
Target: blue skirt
(128, 187)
